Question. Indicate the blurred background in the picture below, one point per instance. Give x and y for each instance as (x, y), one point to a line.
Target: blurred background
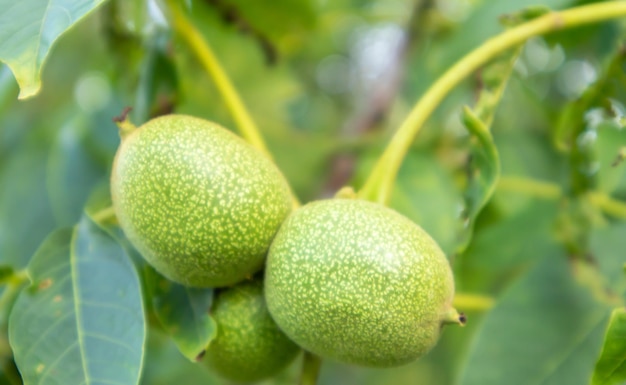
(328, 82)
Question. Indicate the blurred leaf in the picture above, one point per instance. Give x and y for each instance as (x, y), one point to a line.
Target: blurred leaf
(6, 272)
(71, 171)
(166, 366)
(425, 192)
(314, 153)
(505, 246)
(607, 245)
(524, 15)
(99, 198)
(99, 208)
(98, 205)
(158, 82)
(8, 87)
(576, 127)
(526, 154)
(574, 224)
(494, 81)
(183, 313)
(25, 214)
(82, 319)
(611, 366)
(29, 28)
(621, 155)
(610, 141)
(283, 23)
(545, 329)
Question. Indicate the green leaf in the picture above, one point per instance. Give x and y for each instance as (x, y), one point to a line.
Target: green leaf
(166, 366)
(72, 171)
(611, 366)
(184, 313)
(8, 86)
(505, 247)
(609, 150)
(425, 192)
(494, 78)
(546, 329)
(607, 245)
(158, 83)
(82, 319)
(24, 198)
(484, 175)
(29, 28)
(484, 170)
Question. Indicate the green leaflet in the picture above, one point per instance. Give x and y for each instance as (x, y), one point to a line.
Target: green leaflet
(611, 366)
(23, 177)
(157, 83)
(546, 329)
(183, 312)
(484, 170)
(71, 164)
(29, 28)
(483, 175)
(425, 193)
(89, 326)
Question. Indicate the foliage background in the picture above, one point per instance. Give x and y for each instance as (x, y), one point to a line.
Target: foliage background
(327, 82)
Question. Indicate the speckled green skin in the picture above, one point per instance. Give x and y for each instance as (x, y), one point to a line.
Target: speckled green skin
(249, 346)
(200, 204)
(357, 282)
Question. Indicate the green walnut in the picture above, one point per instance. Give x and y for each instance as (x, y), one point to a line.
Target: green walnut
(199, 203)
(357, 282)
(248, 347)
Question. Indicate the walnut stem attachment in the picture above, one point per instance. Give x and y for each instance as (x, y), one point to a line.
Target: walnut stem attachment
(454, 317)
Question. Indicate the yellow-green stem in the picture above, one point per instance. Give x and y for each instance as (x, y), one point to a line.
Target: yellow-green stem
(186, 30)
(310, 369)
(608, 205)
(380, 182)
(547, 190)
(125, 127)
(472, 302)
(527, 186)
(105, 215)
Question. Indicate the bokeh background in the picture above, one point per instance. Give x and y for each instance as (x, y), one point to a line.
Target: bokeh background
(328, 82)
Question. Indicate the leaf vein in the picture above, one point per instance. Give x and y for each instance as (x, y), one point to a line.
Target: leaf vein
(40, 35)
(76, 294)
(106, 338)
(108, 305)
(34, 345)
(59, 358)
